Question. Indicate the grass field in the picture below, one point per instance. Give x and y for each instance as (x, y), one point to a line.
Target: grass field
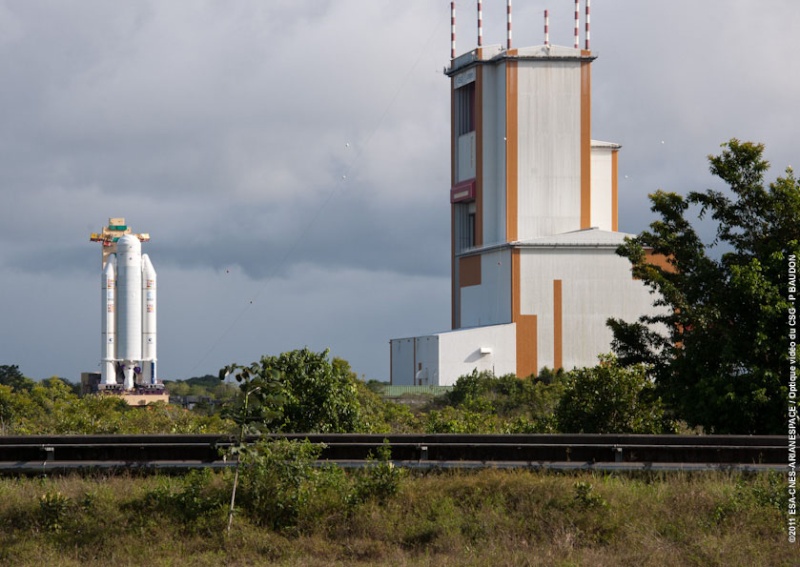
(322, 517)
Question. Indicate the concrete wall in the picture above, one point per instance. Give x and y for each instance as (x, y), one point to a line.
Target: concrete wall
(549, 154)
(402, 362)
(460, 352)
(439, 359)
(415, 361)
(489, 303)
(602, 184)
(595, 284)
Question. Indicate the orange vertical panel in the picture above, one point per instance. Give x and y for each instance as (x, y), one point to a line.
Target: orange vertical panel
(453, 284)
(659, 260)
(527, 354)
(511, 152)
(614, 190)
(469, 271)
(558, 329)
(586, 145)
(527, 330)
(478, 156)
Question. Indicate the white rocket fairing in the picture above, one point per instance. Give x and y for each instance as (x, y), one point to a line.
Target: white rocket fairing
(129, 307)
(129, 316)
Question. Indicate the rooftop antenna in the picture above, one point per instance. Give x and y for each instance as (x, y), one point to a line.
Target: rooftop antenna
(587, 24)
(480, 23)
(546, 28)
(452, 29)
(508, 25)
(577, 23)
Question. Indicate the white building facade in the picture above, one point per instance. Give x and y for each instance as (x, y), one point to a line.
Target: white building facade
(534, 223)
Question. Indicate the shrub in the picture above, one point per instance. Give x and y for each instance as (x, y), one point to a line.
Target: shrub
(380, 480)
(611, 399)
(53, 510)
(277, 480)
(197, 499)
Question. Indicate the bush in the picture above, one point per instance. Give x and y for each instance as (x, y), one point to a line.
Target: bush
(521, 404)
(190, 501)
(277, 481)
(611, 399)
(380, 481)
(53, 510)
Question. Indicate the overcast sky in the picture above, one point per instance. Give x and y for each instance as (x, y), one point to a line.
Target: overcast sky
(290, 158)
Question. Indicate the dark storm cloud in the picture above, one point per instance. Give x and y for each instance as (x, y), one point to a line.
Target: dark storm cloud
(406, 240)
(298, 152)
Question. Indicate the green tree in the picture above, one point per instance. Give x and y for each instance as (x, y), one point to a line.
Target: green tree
(260, 401)
(7, 409)
(10, 375)
(177, 388)
(533, 397)
(474, 391)
(718, 350)
(379, 416)
(321, 396)
(609, 398)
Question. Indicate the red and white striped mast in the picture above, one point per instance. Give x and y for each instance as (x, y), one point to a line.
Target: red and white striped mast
(577, 23)
(452, 29)
(546, 28)
(587, 24)
(480, 23)
(508, 24)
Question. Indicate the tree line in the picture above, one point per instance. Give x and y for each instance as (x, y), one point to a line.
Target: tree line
(714, 359)
(303, 391)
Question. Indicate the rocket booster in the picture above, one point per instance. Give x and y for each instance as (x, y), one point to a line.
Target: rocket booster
(108, 329)
(128, 323)
(148, 321)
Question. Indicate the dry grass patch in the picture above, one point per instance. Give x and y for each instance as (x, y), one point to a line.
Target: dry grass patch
(491, 517)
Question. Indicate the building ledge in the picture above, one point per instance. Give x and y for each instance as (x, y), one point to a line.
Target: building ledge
(497, 53)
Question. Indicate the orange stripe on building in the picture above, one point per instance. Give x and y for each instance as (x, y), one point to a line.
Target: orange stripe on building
(659, 260)
(453, 288)
(527, 355)
(558, 329)
(511, 152)
(469, 271)
(615, 190)
(478, 109)
(586, 145)
(527, 325)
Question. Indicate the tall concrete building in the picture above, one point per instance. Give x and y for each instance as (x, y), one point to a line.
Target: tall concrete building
(534, 222)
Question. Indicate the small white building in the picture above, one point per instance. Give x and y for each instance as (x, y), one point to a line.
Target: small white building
(534, 223)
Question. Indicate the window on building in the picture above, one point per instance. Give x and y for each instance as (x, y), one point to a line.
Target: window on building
(465, 109)
(465, 226)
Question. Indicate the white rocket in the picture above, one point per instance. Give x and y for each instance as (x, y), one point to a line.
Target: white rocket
(128, 322)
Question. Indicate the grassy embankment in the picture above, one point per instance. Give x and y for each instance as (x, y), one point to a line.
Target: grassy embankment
(387, 517)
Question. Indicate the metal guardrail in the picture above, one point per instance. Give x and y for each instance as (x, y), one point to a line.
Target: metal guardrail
(38, 454)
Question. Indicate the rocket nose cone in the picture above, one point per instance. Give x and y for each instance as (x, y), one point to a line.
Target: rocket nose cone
(128, 244)
(147, 266)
